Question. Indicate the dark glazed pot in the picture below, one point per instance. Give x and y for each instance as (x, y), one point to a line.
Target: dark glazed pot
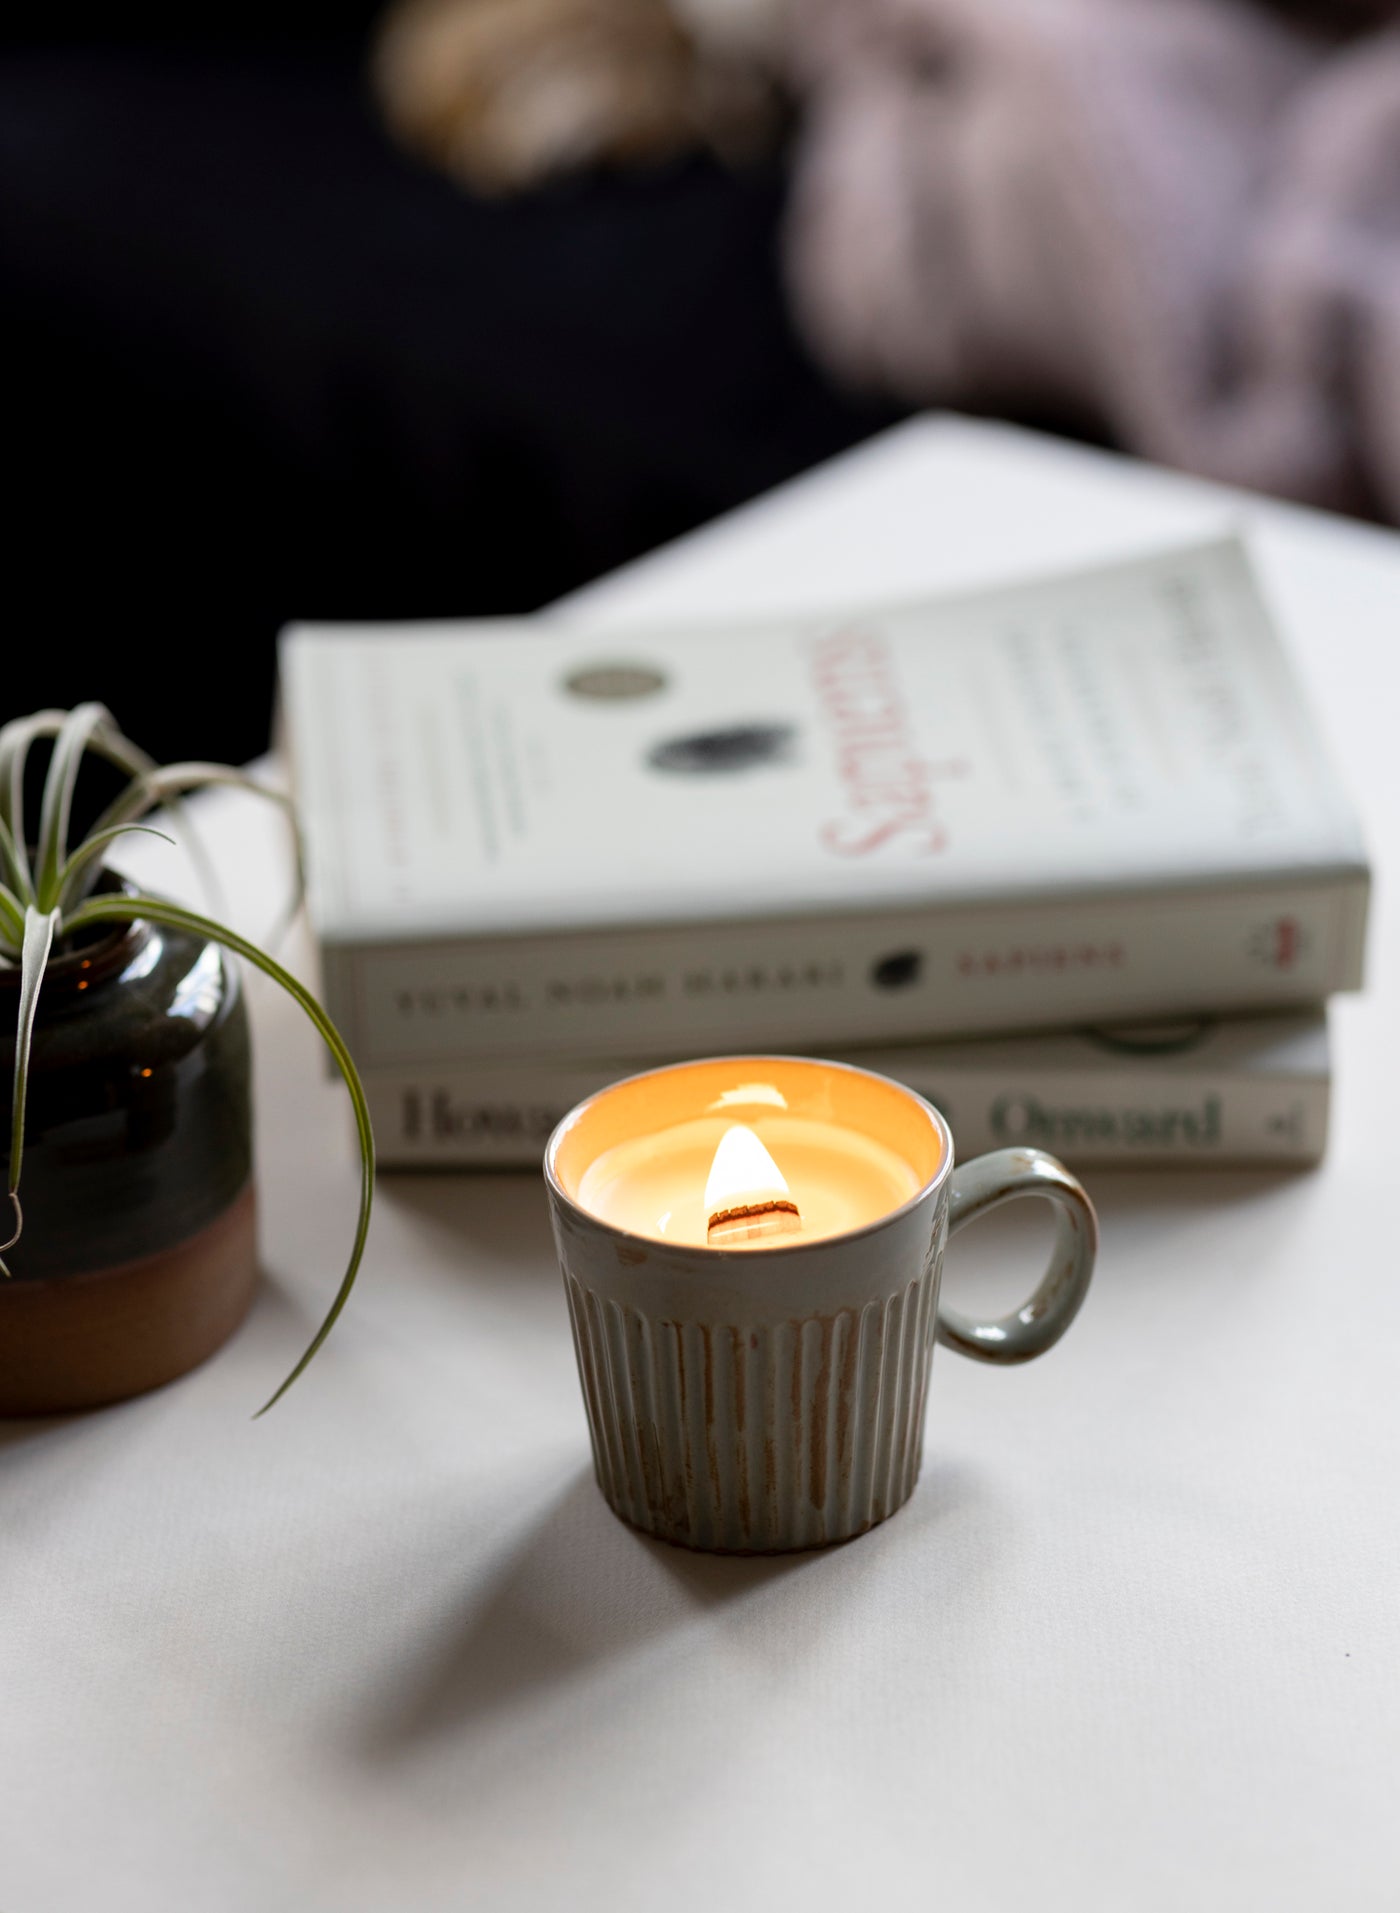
(138, 1257)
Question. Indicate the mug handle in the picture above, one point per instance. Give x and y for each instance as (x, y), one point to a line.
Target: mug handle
(981, 1185)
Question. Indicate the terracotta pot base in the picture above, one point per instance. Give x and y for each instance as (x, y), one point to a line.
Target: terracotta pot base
(81, 1341)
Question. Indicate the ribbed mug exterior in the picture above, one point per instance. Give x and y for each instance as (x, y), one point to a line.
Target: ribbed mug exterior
(756, 1404)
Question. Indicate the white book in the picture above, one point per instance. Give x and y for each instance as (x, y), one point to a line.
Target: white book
(1239, 1090)
(1099, 796)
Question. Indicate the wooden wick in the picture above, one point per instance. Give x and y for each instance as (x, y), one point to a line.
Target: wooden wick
(744, 1211)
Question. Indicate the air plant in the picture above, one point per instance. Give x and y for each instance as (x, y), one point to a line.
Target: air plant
(48, 899)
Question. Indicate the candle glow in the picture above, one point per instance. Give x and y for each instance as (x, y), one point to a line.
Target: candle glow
(748, 1167)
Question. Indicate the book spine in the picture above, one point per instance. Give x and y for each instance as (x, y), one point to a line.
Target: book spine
(1134, 1116)
(848, 980)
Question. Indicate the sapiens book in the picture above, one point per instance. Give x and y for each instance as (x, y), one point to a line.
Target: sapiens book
(1098, 796)
(1247, 1090)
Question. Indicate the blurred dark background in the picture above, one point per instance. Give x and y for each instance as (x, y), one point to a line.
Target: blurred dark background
(260, 364)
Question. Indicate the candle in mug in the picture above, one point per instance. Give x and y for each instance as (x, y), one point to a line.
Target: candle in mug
(728, 1156)
(751, 1249)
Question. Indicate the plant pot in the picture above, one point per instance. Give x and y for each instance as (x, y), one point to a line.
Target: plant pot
(138, 1257)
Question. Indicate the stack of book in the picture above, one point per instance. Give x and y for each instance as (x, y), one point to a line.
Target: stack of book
(1069, 859)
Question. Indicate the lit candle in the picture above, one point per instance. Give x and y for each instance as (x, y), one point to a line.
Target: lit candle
(751, 1249)
(733, 1158)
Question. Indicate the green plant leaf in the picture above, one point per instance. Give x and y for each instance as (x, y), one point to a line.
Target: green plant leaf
(176, 917)
(109, 742)
(16, 739)
(164, 784)
(162, 781)
(12, 910)
(22, 733)
(39, 927)
(90, 850)
(78, 729)
(13, 872)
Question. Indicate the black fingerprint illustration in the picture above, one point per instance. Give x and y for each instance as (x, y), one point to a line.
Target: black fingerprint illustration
(897, 971)
(726, 752)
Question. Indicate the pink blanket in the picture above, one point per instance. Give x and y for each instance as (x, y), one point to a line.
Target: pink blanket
(1177, 221)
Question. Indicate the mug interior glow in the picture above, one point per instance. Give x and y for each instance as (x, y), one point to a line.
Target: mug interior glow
(884, 1145)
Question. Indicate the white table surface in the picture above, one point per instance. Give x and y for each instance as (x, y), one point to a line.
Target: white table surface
(1134, 1644)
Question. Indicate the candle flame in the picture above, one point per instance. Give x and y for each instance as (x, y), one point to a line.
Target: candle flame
(747, 1198)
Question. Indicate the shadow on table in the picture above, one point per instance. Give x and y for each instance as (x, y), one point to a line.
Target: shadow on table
(1144, 1191)
(18, 1429)
(945, 1491)
(565, 1598)
(493, 1219)
(581, 1588)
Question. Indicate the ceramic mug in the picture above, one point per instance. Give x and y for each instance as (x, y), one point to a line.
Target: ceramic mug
(764, 1400)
